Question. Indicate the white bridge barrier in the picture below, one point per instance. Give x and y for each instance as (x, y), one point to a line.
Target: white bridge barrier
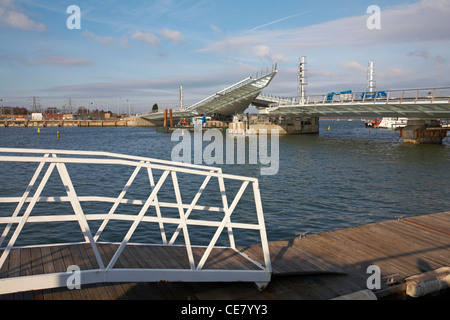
(151, 211)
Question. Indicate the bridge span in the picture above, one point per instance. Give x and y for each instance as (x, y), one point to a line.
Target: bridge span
(422, 107)
(429, 103)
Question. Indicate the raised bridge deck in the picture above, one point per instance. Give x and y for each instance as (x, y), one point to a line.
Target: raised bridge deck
(320, 266)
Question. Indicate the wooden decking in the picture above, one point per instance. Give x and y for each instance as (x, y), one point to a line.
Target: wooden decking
(320, 266)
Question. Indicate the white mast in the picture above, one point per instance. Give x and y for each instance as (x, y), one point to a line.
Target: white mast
(371, 77)
(181, 97)
(302, 79)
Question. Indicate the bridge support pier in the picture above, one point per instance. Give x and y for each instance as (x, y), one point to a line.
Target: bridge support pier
(423, 132)
(300, 125)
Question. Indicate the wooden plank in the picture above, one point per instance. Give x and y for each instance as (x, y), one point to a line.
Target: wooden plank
(58, 263)
(352, 261)
(175, 256)
(144, 257)
(381, 250)
(435, 223)
(87, 292)
(288, 260)
(347, 253)
(126, 289)
(399, 237)
(4, 268)
(432, 243)
(441, 215)
(47, 262)
(300, 261)
(412, 231)
(48, 267)
(429, 247)
(115, 291)
(68, 261)
(14, 263)
(221, 258)
(91, 262)
(37, 269)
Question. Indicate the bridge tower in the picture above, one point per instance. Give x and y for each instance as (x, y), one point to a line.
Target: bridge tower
(302, 79)
(371, 77)
(181, 98)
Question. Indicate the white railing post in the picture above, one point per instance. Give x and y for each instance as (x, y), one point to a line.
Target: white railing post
(225, 209)
(116, 203)
(191, 207)
(138, 219)
(27, 213)
(23, 199)
(187, 240)
(262, 230)
(157, 207)
(73, 198)
(222, 225)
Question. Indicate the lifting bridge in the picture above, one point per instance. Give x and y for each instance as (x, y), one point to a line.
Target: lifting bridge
(227, 102)
(429, 103)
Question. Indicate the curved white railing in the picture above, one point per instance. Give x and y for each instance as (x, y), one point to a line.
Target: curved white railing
(48, 160)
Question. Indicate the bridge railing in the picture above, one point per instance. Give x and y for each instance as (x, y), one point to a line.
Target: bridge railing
(151, 210)
(240, 84)
(428, 95)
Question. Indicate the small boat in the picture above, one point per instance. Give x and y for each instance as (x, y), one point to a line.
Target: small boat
(393, 123)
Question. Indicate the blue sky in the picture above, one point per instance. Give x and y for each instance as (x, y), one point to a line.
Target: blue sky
(142, 51)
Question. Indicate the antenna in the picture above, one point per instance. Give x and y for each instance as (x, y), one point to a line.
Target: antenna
(371, 77)
(35, 105)
(302, 79)
(181, 98)
(70, 110)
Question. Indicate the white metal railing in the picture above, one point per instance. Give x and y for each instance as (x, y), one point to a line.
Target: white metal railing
(48, 160)
(234, 87)
(378, 96)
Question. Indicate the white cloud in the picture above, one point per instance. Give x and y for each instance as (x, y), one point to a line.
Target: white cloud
(146, 37)
(353, 66)
(60, 60)
(216, 29)
(396, 72)
(422, 22)
(11, 16)
(103, 40)
(264, 52)
(426, 55)
(123, 41)
(173, 35)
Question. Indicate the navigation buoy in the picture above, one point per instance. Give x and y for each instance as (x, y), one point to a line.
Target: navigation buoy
(39, 130)
(58, 135)
(329, 128)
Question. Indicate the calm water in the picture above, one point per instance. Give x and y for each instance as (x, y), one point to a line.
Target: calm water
(345, 176)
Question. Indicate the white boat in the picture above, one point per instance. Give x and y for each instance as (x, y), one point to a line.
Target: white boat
(393, 123)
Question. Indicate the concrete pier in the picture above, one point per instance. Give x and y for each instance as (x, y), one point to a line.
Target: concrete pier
(297, 125)
(423, 132)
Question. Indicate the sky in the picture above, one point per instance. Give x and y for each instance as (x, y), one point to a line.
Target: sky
(136, 53)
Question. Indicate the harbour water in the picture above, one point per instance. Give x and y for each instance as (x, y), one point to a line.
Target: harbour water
(343, 177)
